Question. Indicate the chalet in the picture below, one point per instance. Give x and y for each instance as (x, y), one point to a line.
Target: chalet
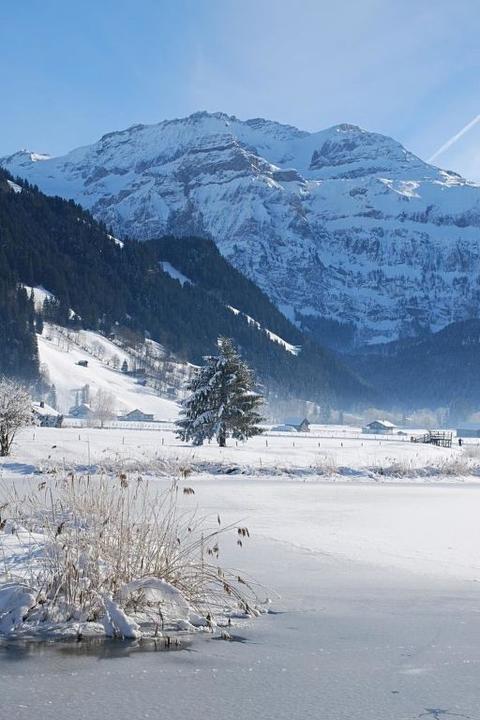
(282, 428)
(45, 416)
(469, 430)
(82, 411)
(379, 427)
(300, 424)
(136, 416)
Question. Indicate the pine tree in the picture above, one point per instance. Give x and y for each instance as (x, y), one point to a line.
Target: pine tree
(222, 401)
(38, 324)
(52, 397)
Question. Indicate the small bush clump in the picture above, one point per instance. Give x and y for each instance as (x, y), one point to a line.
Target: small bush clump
(120, 552)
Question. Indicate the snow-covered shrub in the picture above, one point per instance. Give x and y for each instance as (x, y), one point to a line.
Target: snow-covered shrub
(472, 451)
(151, 464)
(15, 412)
(455, 466)
(117, 552)
(325, 465)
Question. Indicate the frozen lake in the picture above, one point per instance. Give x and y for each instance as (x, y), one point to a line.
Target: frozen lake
(348, 644)
(378, 614)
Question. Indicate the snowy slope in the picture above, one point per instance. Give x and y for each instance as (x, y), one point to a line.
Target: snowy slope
(293, 349)
(343, 223)
(61, 357)
(174, 273)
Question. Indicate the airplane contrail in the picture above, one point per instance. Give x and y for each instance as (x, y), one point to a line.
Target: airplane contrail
(454, 138)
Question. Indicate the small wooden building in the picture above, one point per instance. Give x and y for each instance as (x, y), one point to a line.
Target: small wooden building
(297, 423)
(136, 416)
(46, 416)
(379, 427)
(82, 411)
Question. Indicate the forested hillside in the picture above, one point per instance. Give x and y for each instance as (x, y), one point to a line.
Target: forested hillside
(439, 369)
(200, 260)
(55, 244)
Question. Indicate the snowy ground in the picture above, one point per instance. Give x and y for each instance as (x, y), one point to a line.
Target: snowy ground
(61, 357)
(340, 454)
(377, 576)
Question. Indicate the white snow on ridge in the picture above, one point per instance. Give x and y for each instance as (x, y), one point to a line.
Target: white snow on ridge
(293, 349)
(38, 157)
(14, 186)
(116, 241)
(39, 296)
(174, 273)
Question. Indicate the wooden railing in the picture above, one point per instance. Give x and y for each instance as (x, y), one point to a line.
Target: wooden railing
(441, 438)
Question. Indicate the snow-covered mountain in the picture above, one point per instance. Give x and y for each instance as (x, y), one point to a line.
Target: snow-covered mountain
(341, 224)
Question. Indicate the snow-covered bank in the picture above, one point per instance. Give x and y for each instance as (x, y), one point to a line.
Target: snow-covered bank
(318, 455)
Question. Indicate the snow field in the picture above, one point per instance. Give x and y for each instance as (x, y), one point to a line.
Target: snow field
(320, 454)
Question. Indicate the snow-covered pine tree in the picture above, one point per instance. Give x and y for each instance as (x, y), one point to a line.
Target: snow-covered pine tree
(222, 401)
(52, 397)
(197, 417)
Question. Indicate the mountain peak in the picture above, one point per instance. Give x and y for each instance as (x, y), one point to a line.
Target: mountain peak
(342, 225)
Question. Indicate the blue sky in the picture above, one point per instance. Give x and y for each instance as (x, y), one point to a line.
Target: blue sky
(72, 70)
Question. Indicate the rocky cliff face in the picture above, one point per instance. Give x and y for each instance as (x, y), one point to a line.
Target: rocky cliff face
(341, 224)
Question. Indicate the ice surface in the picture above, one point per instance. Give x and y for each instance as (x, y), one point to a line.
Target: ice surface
(375, 583)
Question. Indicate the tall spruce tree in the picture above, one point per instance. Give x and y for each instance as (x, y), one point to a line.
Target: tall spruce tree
(222, 401)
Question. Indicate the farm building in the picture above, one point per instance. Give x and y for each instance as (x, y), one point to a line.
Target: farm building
(379, 427)
(297, 423)
(467, 430)
(46, 416)
(136, 416)
(82, 411)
